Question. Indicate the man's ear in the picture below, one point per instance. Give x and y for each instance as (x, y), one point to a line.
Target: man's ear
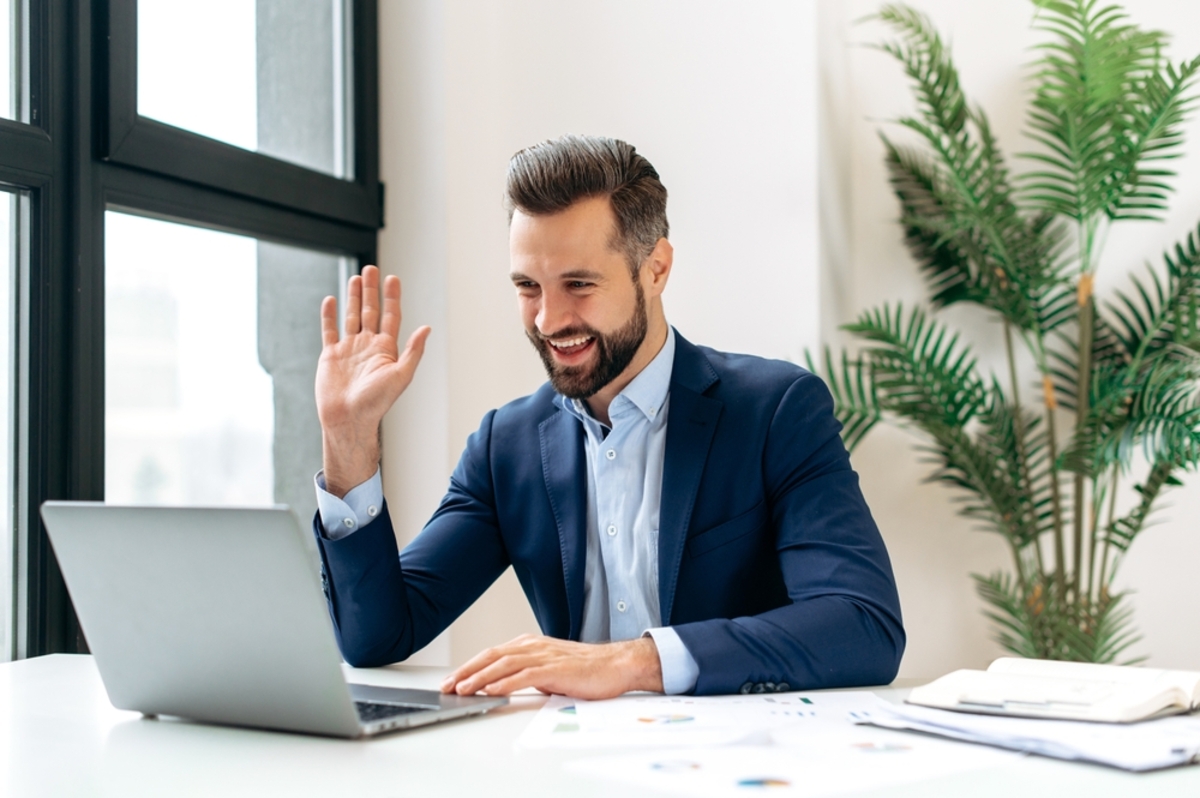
(656, 268)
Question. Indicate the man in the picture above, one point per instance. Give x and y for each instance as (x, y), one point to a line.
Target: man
(681, 519)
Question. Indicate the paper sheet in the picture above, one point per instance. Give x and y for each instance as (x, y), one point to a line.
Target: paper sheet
(856, 758)
(1147, 745)
(641, 721)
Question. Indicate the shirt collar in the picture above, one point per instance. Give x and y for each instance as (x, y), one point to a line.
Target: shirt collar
(647, 391)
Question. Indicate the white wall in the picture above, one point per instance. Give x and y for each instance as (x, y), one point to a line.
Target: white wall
(866, 265)
(719, 96)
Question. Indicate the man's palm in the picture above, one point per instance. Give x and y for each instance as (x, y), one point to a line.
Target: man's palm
(360, 375)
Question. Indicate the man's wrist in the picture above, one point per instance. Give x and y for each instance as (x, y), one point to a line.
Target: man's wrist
(348, 460)
(642, 665)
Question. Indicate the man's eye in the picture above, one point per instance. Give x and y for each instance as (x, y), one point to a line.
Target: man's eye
(578, 284)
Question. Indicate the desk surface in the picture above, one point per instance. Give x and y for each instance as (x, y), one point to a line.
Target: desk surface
(59, 735)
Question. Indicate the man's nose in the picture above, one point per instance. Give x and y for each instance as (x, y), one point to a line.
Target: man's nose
(554, 314)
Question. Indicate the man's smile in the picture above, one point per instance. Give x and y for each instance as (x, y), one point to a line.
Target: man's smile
(568, 348)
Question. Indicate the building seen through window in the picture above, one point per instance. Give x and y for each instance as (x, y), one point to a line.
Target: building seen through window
(211, 342)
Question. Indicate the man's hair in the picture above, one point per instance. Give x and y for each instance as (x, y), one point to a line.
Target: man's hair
(549, 177)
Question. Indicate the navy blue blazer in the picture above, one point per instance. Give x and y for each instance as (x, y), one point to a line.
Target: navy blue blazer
(771, 568)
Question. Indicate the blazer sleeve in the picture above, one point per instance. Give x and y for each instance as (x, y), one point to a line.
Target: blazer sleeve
(387, 605)
(841, 626)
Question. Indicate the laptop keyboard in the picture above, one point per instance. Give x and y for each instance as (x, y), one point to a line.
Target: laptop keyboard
(369, 711)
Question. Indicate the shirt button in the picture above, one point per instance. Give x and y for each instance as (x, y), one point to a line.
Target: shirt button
(611, 454)
(622, 606)
(612, 530)
(372, 511)
(349, 522)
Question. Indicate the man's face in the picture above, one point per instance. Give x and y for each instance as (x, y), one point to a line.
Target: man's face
(582, 310)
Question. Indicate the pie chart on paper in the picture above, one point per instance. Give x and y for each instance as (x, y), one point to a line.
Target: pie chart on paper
(764, 783)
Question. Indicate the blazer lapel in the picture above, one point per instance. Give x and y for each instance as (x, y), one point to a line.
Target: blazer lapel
(564, 468)
(691, 423)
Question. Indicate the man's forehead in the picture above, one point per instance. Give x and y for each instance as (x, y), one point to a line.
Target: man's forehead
(591, 212)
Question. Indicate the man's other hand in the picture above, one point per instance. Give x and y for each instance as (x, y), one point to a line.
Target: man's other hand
(561, 667)
(360, 375)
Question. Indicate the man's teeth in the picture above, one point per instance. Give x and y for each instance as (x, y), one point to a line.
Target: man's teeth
(570, 342)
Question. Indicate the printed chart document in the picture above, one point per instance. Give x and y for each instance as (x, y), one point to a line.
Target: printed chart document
(1149, 745)
(802, 744)
(1033, 688)
(641, 721)
(800, 763)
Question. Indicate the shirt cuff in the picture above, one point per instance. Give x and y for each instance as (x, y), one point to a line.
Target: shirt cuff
(679, 668)
(359, 507)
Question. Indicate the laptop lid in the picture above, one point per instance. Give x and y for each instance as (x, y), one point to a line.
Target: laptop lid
(214, 614)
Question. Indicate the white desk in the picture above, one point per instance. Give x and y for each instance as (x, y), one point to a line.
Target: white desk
(59, 736)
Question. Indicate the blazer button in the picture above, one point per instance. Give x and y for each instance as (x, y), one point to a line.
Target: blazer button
(769, 687)
(758, 688)
(746, 688)
(782, 687)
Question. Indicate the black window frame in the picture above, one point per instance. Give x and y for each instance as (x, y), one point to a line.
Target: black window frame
(82, 86)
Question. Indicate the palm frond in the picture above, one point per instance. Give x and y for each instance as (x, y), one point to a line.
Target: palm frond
(961, 221)
(1007, 489)
(854, 402)
(1124, 530)
(929, 230)
(1013, 613)
(919, 370)
(1108, 109)
(1160, 314)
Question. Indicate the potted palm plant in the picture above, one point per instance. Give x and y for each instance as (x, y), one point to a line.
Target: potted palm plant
(1114, 407)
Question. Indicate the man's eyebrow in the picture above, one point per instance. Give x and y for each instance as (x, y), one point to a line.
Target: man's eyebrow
(575, 274)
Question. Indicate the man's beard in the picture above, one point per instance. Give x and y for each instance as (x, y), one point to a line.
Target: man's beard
(614, 352)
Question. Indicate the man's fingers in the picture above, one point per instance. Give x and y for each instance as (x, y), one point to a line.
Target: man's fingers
(472, 666)
(354, 300)
(414, 349)
(329, 328)
(528, 677)
(370, 305)
(390, 324)
(506, 667)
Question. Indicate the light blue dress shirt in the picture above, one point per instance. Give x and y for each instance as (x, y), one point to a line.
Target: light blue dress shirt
(625, 468)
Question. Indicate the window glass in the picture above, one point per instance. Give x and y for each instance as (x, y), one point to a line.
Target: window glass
(8, 357)
(270, 75)
(211, 344)
(7, 59)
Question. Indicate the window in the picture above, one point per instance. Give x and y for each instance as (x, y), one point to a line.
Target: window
(125, 216)
(210, 356)
(7, 71)
(9, 467)
(270, 76)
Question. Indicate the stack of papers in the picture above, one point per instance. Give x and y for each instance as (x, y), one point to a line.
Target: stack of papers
(1149, 745)
(1036, 688)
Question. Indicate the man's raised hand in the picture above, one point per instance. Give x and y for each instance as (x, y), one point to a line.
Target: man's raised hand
(360, 375)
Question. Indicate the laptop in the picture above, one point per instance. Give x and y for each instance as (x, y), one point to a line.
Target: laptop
(217, 615)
